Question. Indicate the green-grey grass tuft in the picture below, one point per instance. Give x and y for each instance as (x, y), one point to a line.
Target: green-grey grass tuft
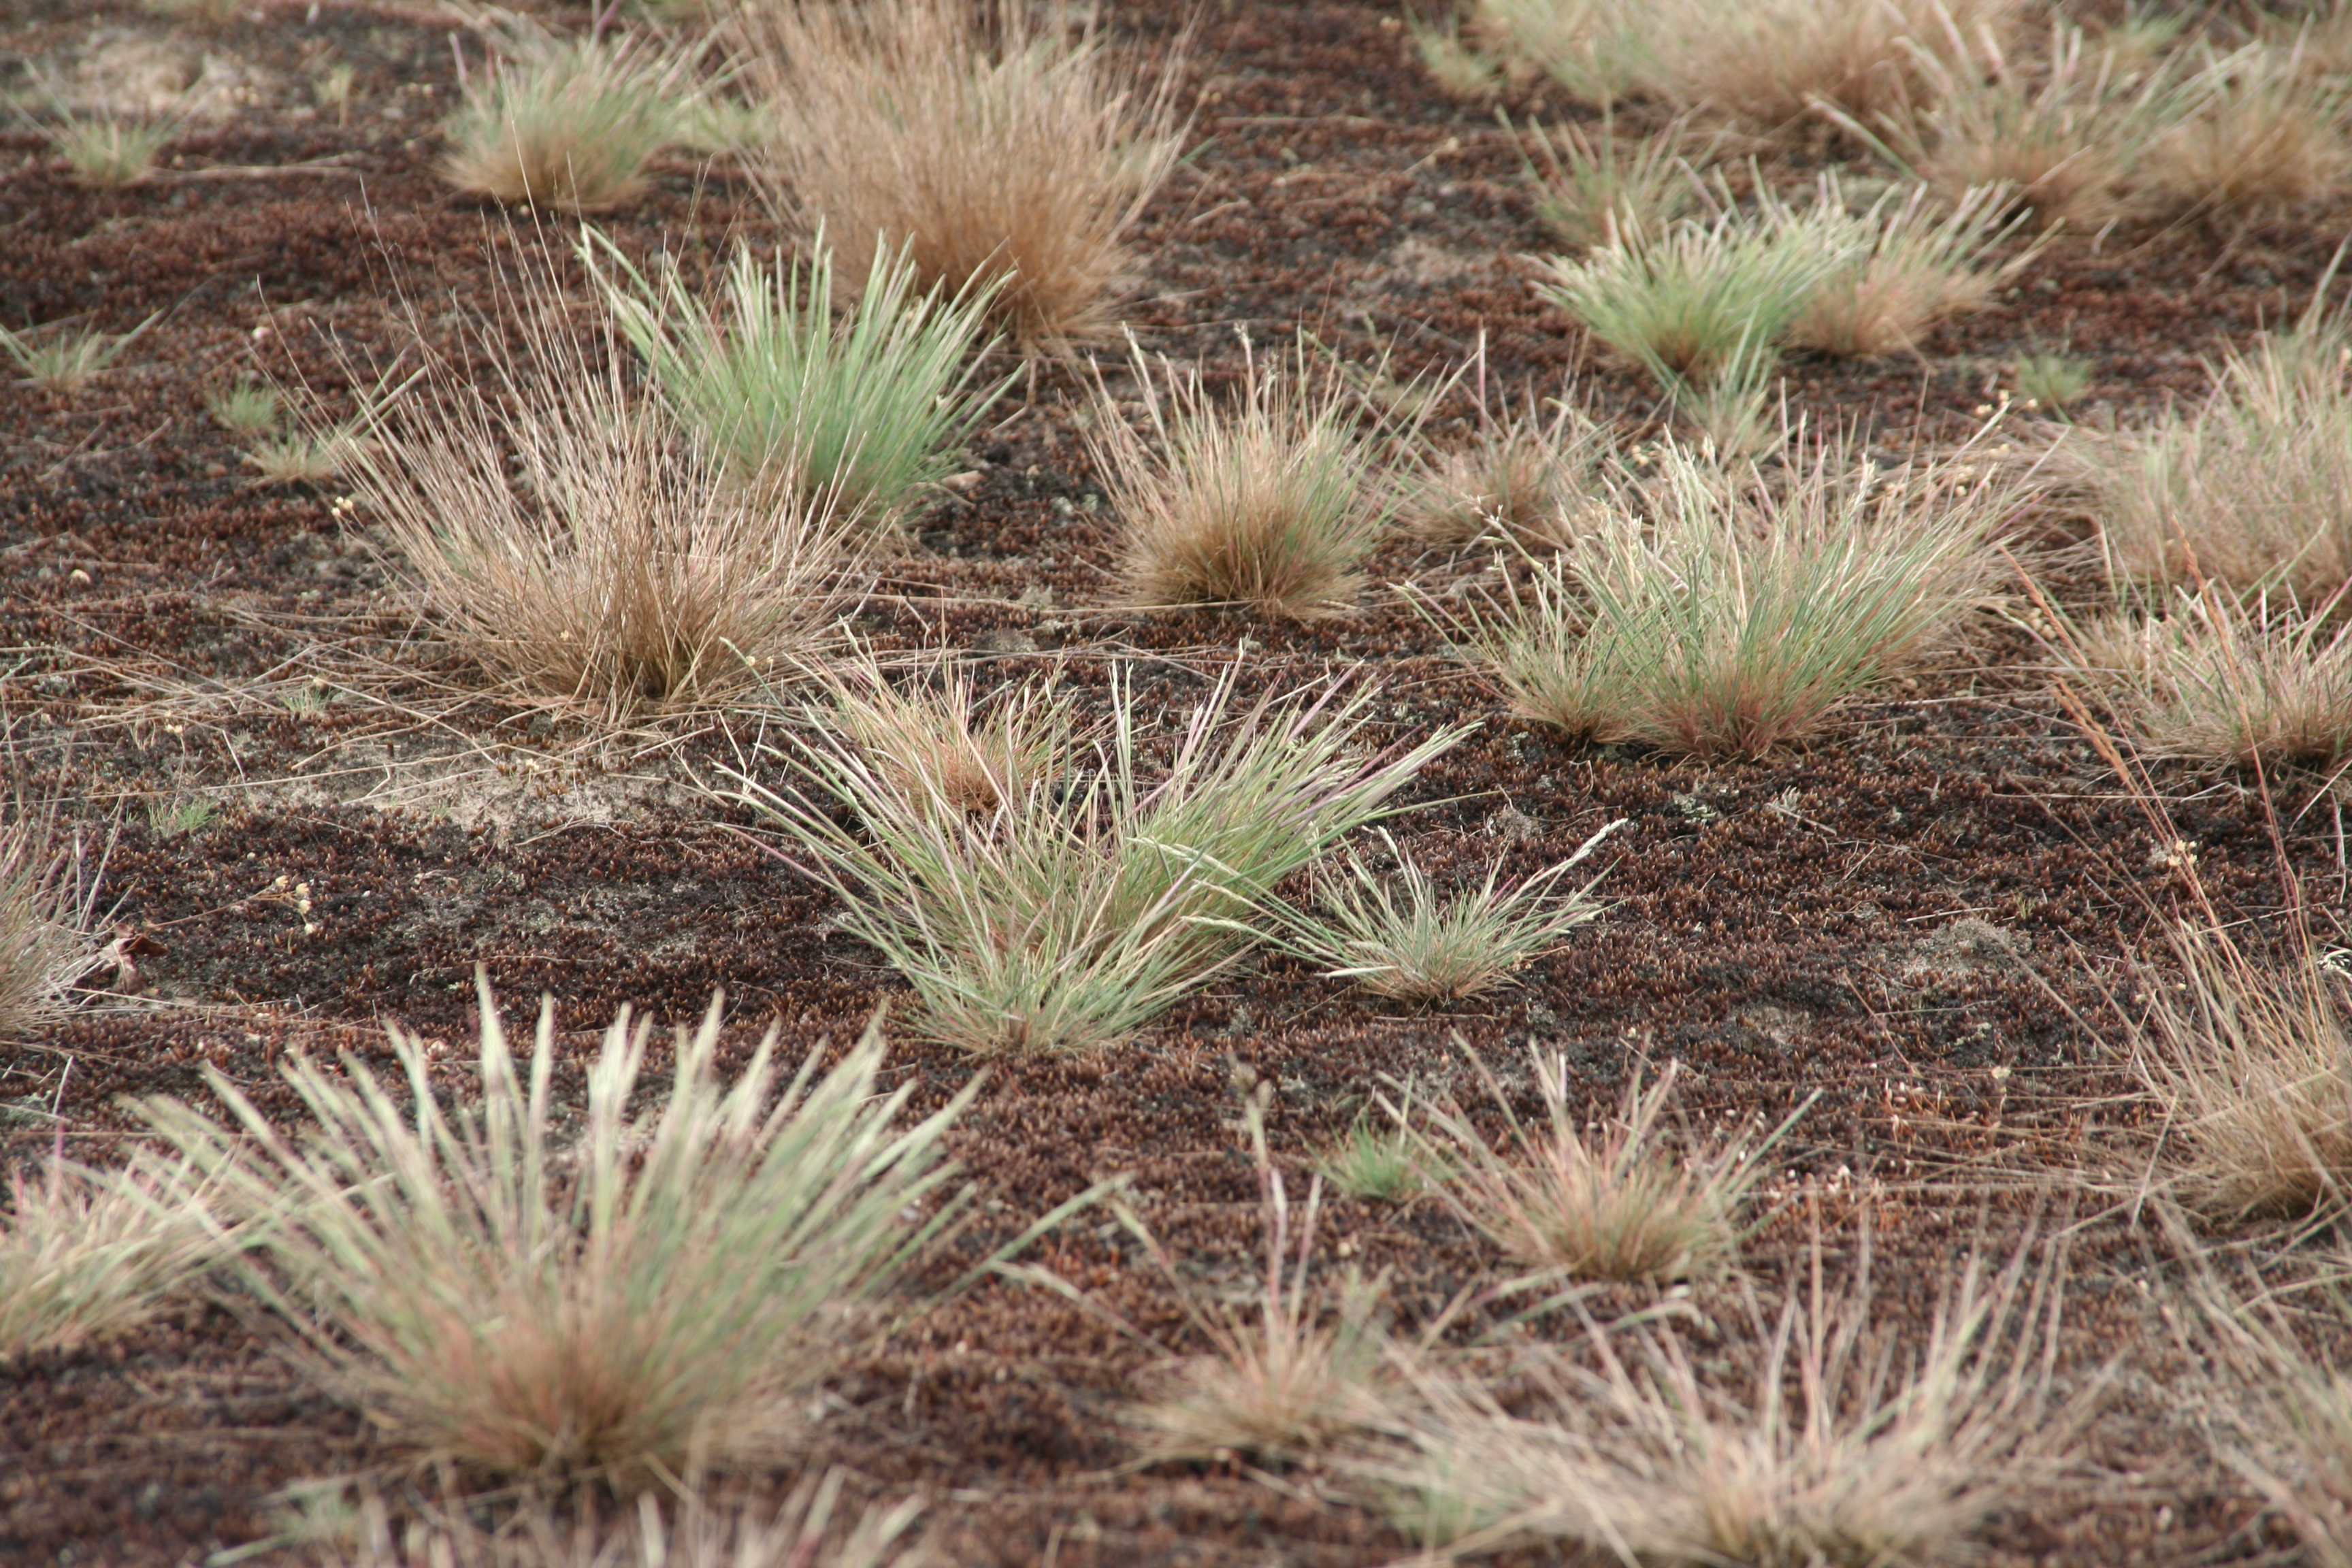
(303, 456)
(866, 407)
(2052, 380)
(663, 1290)
(1619, 1202)
(246, 409)
(59, 360)
(1593, 191)
(1376, 1160)
(566, 123)
(1720, 612)
(1269, 504)
(1068, 917)
(990, 141)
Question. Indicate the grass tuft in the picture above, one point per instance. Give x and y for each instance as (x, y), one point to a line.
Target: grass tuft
(1523, 478)
(2266, 139)
(944, 747)
(996, 146)
(1912, 267)
(664, 1290)
(247, 408)
(1717, 611)
(1618, 1203)
(1593, 192)
(1377, 1160)
(1268, 505)
(48, 909)
(866, 407)
(110, 153)
(1067, 918)
(1410, 944)
(2052, 380)
(578, 545)
(86, 1256)
(567, 124)
(63, 361)
(303, 456)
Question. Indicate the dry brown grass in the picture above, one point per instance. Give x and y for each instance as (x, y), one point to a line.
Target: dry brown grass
(565, 532)
(567, 123)
(48, 892)
(1811, 1441)
(1269, 504)
(2252, 1063)
(1917, 266)
(1623, 1202)
(939, 743)
(86, 1255)
(2268, 140)
(1522, 477)
(992, 143)
(1773, 63)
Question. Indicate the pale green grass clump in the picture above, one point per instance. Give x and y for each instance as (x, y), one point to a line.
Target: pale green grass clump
(1269, 504)
(568, 123)
(1717, 612)
(247, 408)
(663, 1287)
(868, 407)
(1594, 190)
(110, 153)
(58, 359)
(1067, 918)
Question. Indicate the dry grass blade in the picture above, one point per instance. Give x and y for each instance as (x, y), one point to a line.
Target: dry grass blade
(1290, 1384)
(1618, 1203)
(1746, 610)
(993, 144)
(569, 537)
(2252, 683)
(338, 1528)
(567, 123)
(2252, 1063)
(1839, 1452)
(87, 1255)
(1269, 504)
(1065, 919)
(666, 1291)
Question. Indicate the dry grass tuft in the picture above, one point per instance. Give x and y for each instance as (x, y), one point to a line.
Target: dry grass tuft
(568, 123)
(1067, 918)
(1773, 63)
(48, 909)
(568, 536)
(110, 153)
(2253, 1064)
(994, 145)
(1618, 1204)
(1838, 1451)
(1914, 267)
(1523, 478)
(2267, 139)
(1268, 505)
(86, 1256)
(1296, 1382)
(1720, 612)
(2253, 487)
(2253, 684)
(664, 1291)
(945, 747)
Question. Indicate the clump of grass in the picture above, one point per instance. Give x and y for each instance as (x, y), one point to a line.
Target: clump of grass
(1290, 1384)
(64, 361)
(1618, 1204)
(303, 456)
(110, 153)
(2266, 139)
(1066, 919)
(1522, 476)
(1913, 266)
(945, 747)
(1774, 63)
(247, 408)
(2256, 484)
(48, 911)
(2253, 1064)
(1376, 1160)
(86, 1256)
(174, 818)
(2066, 134)
(865, 407)
(1834, 1450)
(1598, 50)
(568, 123)
(570, 538)
(1407, 941)
(2254, 682)
(1742, 611)
(664, 1292)
(1459, 69)
(1686, 305)
(1269, 504)
(1594, 192)
(2052, 380)
(992, 144)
